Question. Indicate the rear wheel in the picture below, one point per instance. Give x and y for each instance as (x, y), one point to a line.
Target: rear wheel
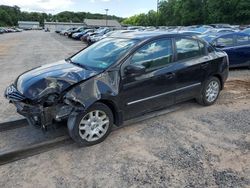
(92, 126)
(210, 92)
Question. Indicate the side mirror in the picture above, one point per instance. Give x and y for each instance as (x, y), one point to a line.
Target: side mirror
(134, 69)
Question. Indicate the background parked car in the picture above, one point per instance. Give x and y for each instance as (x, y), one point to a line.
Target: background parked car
(85, 36)
(78, 35)
(197, 28)
(2, 31)
(66, 31)
(215, 31)
(58, 30)
(193, 33)
(77, 30)
(236, 45)
(97, 35)
(247, 31)
(221, 25)
(18, 29)
(114, 33)
(10, 30)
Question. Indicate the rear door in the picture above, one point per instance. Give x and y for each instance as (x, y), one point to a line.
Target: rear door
(150, 90)
(192, 65)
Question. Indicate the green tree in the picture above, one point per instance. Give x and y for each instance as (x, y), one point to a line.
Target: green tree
(152, 18)
(171, 12)
(242, 15)
(167, 13)
(5, 18)
(190, 12)
(9, 16)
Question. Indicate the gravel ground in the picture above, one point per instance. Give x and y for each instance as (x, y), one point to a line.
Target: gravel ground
(194, 146)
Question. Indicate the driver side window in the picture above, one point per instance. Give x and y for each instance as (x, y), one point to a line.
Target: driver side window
(154, 55)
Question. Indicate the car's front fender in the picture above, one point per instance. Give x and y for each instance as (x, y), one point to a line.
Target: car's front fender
(101, 87)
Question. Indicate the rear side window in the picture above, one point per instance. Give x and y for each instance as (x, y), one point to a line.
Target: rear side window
(242, 39)
(225, 41)
(187, 48)
(155, 54)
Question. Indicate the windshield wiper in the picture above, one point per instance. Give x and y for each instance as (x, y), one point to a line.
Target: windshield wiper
(78, 64)
(68, 60)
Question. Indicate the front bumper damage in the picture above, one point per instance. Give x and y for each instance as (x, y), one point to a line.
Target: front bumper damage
(37, 115)
(44, 110)
(43, 117)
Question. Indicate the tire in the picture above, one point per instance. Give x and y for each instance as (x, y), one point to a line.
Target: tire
(90, 122)
(204, 99)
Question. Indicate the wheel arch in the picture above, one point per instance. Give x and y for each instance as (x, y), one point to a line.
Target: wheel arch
(115, 110)
(220, 79)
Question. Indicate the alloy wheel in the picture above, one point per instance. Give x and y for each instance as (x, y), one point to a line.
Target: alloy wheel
(93, 125)
(212, 91)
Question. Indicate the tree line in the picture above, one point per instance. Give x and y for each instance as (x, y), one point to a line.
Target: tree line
(170, 13)
(9, 16)
(194, 12)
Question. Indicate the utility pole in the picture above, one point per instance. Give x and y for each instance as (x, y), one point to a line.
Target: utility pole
(157, 14)
(106, 16)
(157, 6)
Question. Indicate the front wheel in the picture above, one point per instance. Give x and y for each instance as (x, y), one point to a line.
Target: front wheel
(210, 92)
(92, 126)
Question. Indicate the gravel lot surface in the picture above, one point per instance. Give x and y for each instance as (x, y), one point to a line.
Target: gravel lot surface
(194, 146)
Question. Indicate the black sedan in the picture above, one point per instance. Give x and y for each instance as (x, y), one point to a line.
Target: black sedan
(119, 78)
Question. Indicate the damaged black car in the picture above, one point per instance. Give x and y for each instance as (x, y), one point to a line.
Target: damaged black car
(119, 78)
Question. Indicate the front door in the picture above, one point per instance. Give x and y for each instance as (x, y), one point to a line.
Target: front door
(150, 90)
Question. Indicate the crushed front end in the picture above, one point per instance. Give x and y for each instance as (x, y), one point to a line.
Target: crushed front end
(41, 113)
(38, 94)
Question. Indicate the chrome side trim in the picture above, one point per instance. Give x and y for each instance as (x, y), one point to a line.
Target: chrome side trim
(162, 94)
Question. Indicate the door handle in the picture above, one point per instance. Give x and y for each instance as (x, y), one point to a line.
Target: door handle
(170, 75)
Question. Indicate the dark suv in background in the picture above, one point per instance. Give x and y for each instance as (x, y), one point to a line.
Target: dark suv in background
(118, 78)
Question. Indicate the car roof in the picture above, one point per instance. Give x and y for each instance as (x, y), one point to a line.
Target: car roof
(143, 35)
(209, 38)
(246, 29)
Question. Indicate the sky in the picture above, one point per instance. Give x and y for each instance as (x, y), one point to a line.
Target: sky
(122, 8)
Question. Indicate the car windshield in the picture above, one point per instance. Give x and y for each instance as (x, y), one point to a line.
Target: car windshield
(103, 53)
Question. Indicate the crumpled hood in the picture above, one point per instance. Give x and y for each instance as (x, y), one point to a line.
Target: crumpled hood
(51, 78)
